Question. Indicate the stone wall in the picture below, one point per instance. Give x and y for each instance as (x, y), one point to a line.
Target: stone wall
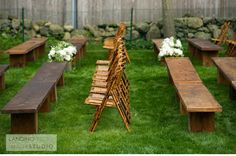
(186, 27)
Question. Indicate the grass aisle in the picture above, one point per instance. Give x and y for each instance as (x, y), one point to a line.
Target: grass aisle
(157, 126)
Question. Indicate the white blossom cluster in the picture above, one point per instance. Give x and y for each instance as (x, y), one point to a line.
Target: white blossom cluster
(171, 47)
(63, 51)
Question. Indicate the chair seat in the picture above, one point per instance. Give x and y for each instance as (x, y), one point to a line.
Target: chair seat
(96, 100)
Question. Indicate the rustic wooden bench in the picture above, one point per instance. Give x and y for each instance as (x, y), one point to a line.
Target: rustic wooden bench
(157, 45)
(194, 98)
(80, 44)
(226, 73)
(3, 69)
(34, 97)
(203, 50)
(27, 51)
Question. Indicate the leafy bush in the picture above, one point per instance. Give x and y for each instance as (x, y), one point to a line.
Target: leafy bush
(139, 44)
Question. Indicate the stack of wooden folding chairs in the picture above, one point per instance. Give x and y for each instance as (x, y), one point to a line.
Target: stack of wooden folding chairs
(223, 34)
(109, 43)
(110, 86)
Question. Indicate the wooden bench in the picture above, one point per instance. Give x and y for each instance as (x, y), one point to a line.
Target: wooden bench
(157, 45)
(3, 69)
(194, 98)
(34, 97)
(226, 73)
(203, 50)
(27, 51)
(80, 44)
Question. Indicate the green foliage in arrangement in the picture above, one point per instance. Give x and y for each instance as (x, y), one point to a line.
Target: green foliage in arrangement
(157, 126)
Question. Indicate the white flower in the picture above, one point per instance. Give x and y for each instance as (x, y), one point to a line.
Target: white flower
(170, 47)
(68, 58)
(178, 43)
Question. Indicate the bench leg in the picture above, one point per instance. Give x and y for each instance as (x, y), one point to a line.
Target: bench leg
(53, 94)
(191, 49)
(26, 123)
(45, 106)
(201, 122)
(2, 82)
(31, 56)
(232, 92)
(221, 78)
(17, 60)
(61, 80)
(206, 57)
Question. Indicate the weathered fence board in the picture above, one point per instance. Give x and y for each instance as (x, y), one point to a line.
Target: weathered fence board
(114, 11)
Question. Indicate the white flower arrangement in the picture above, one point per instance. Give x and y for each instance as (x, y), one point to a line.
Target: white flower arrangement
(171, 47)
(63, 51)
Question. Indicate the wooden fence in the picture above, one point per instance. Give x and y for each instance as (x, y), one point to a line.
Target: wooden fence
(114, 11)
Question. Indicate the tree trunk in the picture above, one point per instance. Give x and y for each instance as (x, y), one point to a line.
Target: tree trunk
(168, 18)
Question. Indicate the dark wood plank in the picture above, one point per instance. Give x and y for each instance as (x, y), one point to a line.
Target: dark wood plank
(197, 98)
(226, 66)
(204, 45)
(181, 70)
(30, 98)
(27, 46)
(50, 72)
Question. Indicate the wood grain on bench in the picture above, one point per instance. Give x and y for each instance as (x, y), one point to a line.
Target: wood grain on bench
(51, 72)
(203, 50)
(226, 73)
(194, 97)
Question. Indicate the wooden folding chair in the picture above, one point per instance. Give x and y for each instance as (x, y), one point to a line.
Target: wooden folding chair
(223, 34)
(231, 51)
(113, 95)
(109, 43)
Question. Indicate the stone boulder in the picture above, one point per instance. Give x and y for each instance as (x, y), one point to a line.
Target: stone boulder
(93, 30)
(135, 35)
(212, 27)
(67, 36)
(35, 27)
(142, 27)
(195, 22)
(80, 32)
(153, 33)
(15, 23)
(56, 29)
(202, 35)
(68, 28)
(216, 33)
(44, 31)
(4, 23)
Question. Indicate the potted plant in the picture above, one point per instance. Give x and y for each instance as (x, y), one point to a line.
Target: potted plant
(62, 52)
(170, 47)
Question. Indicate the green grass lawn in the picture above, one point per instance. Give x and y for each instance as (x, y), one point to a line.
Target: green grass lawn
(157, 126)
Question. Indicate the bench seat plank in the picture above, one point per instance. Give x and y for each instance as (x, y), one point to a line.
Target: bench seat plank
(197, 98)
(30, 98)
(182, 70)
(226, 73)
(227, 66)
(204, 45)
(50, 72)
